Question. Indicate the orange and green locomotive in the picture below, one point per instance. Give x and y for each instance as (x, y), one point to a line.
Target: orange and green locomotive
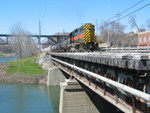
(80, 39)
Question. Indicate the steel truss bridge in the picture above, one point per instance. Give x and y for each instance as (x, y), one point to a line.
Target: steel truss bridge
(40, 39)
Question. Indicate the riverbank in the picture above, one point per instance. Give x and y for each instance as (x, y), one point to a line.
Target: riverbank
(26, 71)
(6, 54)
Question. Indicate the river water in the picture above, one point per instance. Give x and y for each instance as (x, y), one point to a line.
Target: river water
(23, 98)
(7, 59)
(20, 98)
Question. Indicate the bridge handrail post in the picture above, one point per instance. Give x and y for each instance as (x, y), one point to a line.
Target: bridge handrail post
(116, 95)
(129, 48)
(148, 106)
(133, 104)
(122, 48)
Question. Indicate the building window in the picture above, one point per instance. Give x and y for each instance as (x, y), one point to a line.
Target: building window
(140, 40)
(145, 39)
(149, 39)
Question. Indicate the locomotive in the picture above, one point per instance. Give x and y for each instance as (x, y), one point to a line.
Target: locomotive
(80, 39)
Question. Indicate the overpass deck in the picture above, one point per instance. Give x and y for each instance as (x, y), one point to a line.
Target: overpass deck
(135, 61)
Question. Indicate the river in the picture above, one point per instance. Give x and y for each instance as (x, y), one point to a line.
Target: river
(23, 98)
(7, 59)
(20, 98)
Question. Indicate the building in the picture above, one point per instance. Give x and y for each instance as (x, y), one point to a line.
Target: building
(136, 31)
(144, 39)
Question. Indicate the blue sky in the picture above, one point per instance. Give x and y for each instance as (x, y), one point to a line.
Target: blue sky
(59, 15)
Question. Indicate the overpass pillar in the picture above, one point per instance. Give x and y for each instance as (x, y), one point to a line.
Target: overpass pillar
(55, 76)
(73, 98)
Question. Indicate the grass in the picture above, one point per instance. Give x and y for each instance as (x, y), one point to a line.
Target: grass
(25, 66)
(2, 54)
(5, 54)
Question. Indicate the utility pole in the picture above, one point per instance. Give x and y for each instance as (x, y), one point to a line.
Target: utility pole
(39, 35)
(63, 35)
(108, 37)
(96, 27)
(118, 15)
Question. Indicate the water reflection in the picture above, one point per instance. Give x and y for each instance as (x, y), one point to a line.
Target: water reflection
(28, 99)
(8, 59)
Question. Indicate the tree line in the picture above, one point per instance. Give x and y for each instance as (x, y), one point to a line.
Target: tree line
(113, 33)
(20, 43)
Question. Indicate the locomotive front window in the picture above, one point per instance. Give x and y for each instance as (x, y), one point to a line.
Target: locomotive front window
(81, 29)
(89, 29)
(76, 30)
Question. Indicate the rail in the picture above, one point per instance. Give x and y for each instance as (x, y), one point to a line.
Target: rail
(119, 86)
(129, 48)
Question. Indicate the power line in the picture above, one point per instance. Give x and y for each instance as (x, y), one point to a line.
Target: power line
(132, 6)
(125, 10)
(133, 12)
(129, 13)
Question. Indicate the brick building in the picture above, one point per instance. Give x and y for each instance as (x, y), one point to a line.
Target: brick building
(144, 38)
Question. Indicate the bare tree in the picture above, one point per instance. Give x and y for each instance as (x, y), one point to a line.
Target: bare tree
(148, 24)
(22, 45)
(111, 32)
(5, 49)
(132, 21)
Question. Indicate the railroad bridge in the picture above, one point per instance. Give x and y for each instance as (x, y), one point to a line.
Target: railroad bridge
(122, 79)
(53, 39)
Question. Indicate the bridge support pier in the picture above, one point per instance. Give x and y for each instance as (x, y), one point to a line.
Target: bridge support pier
(73, 99)
(55, 76)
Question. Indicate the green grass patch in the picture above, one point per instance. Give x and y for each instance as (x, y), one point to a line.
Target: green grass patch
(25, 66)
(2, 55)
(6, 54)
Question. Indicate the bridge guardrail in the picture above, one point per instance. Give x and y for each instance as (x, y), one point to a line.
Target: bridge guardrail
(130, 48)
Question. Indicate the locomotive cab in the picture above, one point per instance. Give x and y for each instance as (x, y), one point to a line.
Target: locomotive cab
(83, 38)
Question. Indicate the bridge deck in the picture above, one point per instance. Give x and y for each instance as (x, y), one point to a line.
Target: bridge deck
(134, 61)
(105, 81)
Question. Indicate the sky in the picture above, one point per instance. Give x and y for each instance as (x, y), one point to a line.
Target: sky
(66, 15)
